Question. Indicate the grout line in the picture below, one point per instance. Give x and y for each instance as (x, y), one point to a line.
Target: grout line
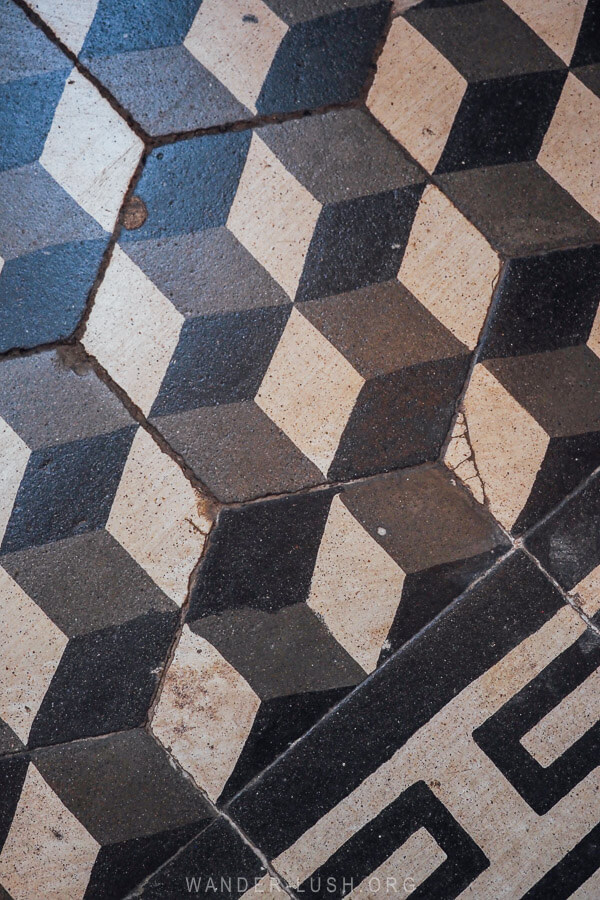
(27, 751)
(151, 141)
(73, 338)
(79, 330)
(357, 102)
(39, 22)
(212, 502)
(578, 489)
(192, 581)
(279, 879)
(18, 352)
(251, 123)
(325, 486)
(219, 814)
(379, 46)
(566, 596)
(496, 288)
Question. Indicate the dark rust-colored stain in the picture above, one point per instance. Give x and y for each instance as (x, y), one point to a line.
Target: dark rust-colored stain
(134, 214)
(73, 358)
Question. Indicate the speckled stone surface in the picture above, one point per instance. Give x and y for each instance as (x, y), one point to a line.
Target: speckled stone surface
(299, 449)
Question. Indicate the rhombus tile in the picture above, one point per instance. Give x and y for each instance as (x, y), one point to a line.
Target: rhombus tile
(298, 599)
(65, 163)
(198, 63)
(467, 766)
(99, 531)
(296, 308)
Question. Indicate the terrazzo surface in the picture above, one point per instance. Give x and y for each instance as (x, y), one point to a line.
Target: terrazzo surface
(299, 449)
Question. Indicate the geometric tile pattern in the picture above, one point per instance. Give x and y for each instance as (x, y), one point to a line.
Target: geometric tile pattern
(527, 447)
(501, 101)
(449, 794)
(325, 327)
(78, 820)
(199, 63)
(360, 272)
(298, 599)
(65, 164)
(89, 602)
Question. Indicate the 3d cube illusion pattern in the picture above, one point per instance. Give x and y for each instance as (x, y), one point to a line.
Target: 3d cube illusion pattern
(299, 556)
(65, 163)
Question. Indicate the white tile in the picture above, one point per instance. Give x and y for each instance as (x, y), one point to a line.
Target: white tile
(356, 586)
(205, 712)
(14, 456)
(593, 341)
(133, 330)
(90, 151)
(273, 216)
(237, 41)
(508, 445)
(309, 390)
(70, 21)
(416, 93)
(158, 517)
(571, 149)
(32, 647)
(557, 22)
(450, 267)
(48, 853)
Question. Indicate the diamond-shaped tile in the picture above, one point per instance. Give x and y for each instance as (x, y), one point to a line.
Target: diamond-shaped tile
(309, 390)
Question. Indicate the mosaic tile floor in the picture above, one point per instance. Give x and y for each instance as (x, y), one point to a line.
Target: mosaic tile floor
(299, 449)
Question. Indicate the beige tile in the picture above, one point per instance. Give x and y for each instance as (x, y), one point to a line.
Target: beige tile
(565, 723)
(449, 267)
(571, 149)
(69, 21)
(356, 586)
(588, 592)
(48, 853)
(593, 341)
(400, 6)
(158, 517)
(557, 22)
(133, 330)
(239, 52)
(507, 443)
(402, 873)
(90, 151)
(309, 390)
(205, 712)
(14, 455)
(416, 93)
(273, 216)
(32, 647)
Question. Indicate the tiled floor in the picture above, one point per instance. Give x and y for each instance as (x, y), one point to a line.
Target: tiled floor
(299, 449)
